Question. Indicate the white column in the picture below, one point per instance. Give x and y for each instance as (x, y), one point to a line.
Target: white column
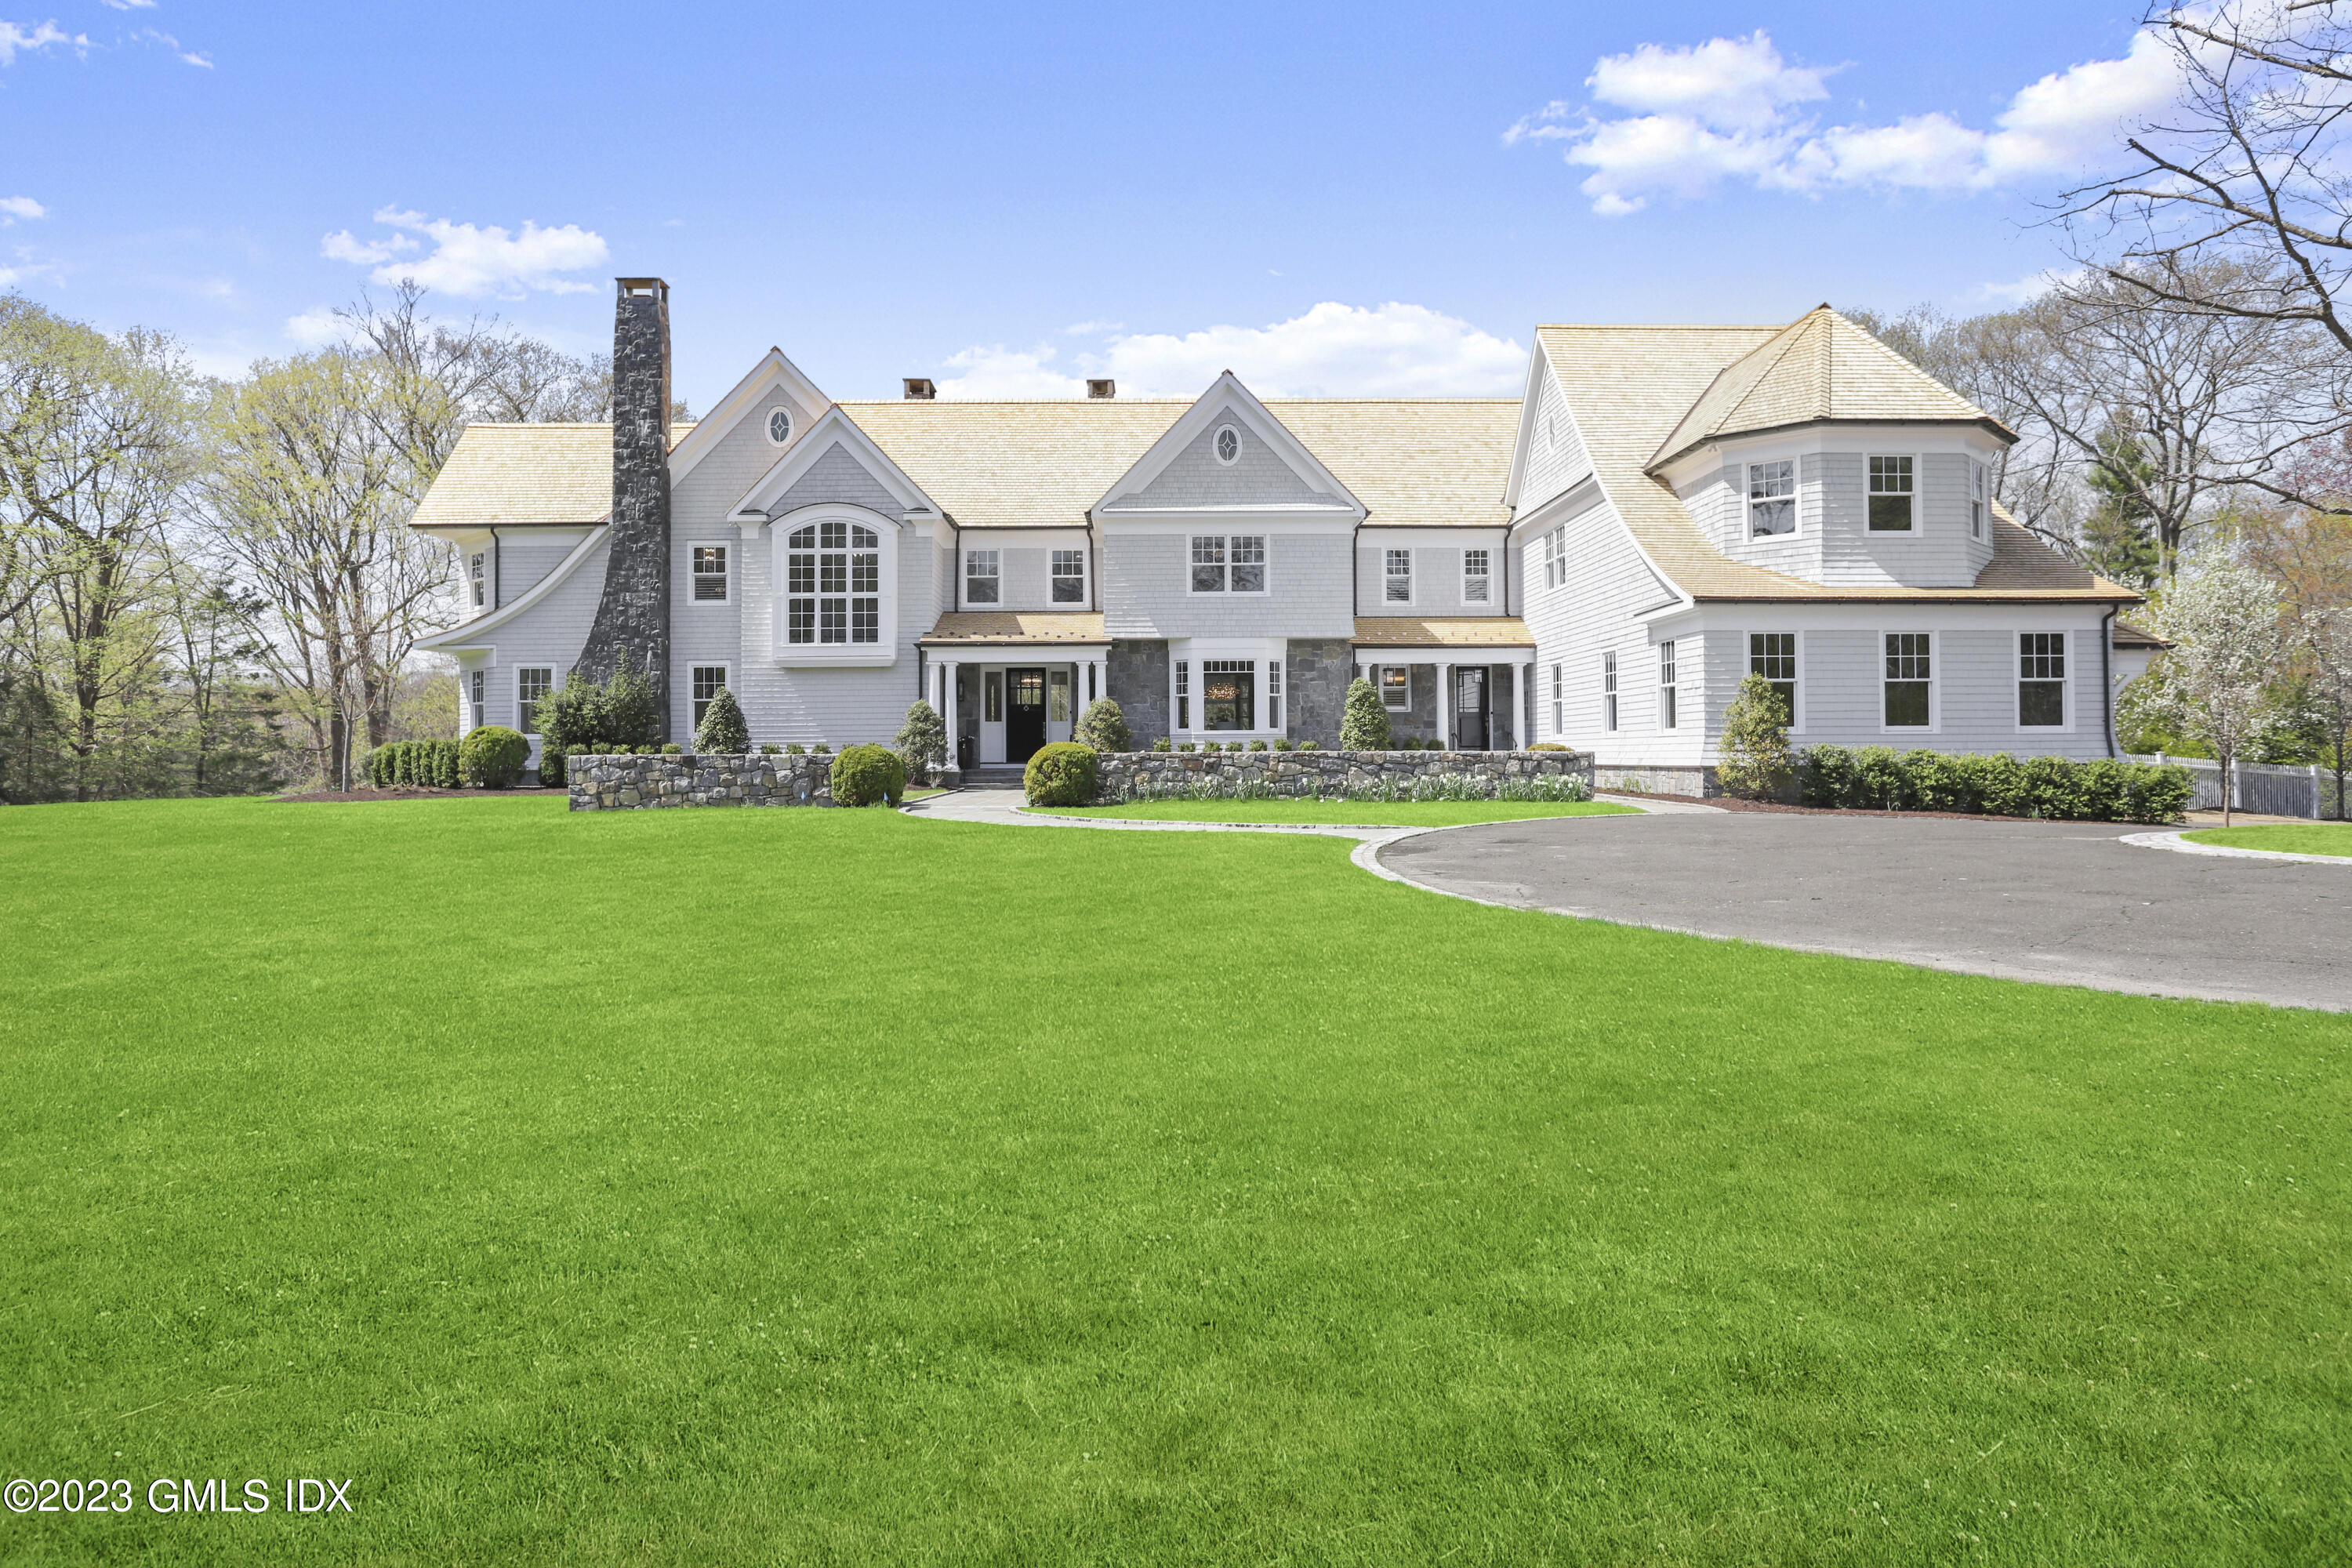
(1518, 741)
(948, 667)
(1446, 706)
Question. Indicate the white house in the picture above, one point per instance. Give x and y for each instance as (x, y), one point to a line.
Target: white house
(1597, 562)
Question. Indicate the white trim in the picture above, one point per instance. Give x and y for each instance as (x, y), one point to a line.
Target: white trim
(995, 575)
(515, 689)
(1225, 546)
(884, 648)
(1381, 685)
(811, 447)
(772, 370)
(768, 424)
(1217, 444)
(1918, 523)
(1747, 668)
(1747, 499)
(1668, 661)
(1227, 398)
(1411, 576)
(726, 683)
(2016, 655)
(727, 577)
(1085, 574)
(1485, 579)
(463, 634)
(1935, 724)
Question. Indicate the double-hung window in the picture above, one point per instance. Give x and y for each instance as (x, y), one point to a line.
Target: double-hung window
(1396, 688)
(478, 576)
(477, 683)
(1771, 499)
(1555, 558)
(1396, 576)
(984, 578)
(1978, 503)
(1609, 691)
(1229, 563)
(709, 680)
(1773, 655)
(833, 580)
(2041, 679)
(710, 562)
(1665, 686)
(1558, 702)
(1909, 677)
(1475, 576)
(1183, 694)
(1891, 495)
(1069, 576)
(1274, 694)
(532, 683)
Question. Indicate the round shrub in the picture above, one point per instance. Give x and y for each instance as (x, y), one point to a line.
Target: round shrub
(1104, 727)
(1060, 774)
(492, 757)
(868, 776)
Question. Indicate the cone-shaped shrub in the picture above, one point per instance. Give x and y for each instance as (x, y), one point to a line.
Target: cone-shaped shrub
(723, 733)
(923, 741)
(1365, 727)
(1754, 751)
(1104, 727)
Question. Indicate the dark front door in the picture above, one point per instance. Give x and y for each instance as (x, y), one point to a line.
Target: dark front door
(1470, 709)
(1024, 713)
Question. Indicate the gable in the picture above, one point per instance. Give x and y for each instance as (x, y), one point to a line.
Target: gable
(774, 381)
(1196, 479)
(835, 476)
(833, 460)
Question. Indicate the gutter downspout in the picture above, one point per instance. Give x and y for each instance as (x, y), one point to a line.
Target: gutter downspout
(2106, 675)
(498, 587)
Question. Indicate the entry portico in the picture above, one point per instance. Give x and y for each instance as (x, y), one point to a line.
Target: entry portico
(1007, 682)
(1474, 675)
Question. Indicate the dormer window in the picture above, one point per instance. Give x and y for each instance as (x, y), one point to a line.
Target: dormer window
(1771, 499)
(1891, 495)
(780, 427)
(1228, 444)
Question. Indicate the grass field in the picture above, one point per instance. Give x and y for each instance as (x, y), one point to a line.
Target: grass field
(1354, 813)
(822, 1186)
(2286, 839)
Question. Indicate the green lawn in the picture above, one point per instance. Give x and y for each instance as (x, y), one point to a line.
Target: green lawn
(2288, 838)
(1355, 813)
(825, 1186)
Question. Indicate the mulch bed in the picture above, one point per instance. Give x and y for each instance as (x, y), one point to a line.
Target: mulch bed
(340, 795)
(1733, 803)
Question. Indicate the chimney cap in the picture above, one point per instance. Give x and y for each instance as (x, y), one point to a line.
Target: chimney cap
(919, 389)
(653, 286)
(1102, 387)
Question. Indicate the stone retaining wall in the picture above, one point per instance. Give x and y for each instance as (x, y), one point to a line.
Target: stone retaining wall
(1651, 779)
(623, 784)
(1124, 774)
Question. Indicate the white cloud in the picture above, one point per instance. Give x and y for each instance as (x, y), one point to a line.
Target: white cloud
(14, 38)
(1385, 351)
(315, 328)
(131, 5)
(14, 208)
(471, 261)
(1731, 108)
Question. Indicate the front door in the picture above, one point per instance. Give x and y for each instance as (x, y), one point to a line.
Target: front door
(1470, 709)
(1024, 713)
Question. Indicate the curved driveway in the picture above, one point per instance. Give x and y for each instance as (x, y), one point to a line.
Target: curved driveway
(2059, 901)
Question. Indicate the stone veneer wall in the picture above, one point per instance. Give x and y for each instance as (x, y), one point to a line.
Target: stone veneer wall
(1315, 692)
(1323, 773)
(1137, 682)
(1650, 779)
(623, 784)
(632, 610)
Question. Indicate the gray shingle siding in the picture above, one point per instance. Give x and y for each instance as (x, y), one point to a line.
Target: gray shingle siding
(1258, 476)
(1145, 578)
(838, 477)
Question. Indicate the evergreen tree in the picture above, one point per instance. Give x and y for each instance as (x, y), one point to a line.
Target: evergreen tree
(1754, 761)
(723, 733)
(922, 743)
(2119, 536)
(1104, 727)
(1365, 726)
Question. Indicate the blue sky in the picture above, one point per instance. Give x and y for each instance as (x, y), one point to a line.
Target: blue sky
(1006, 197)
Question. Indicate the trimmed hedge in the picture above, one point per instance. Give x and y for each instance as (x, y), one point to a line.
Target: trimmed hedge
(492, 756)
(868, 776)
(1060, 774)
(1879, 778)
(414, 764)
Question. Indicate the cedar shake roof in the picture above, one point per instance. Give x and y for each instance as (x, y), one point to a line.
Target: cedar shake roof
(1442, 632)
(1413, 462)
(1629, 388)
(1820, 367)
(1014, 626)
(509, 475)
(2126, 635)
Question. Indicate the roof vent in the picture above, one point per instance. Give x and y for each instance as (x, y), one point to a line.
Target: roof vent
(1103, 388)
(919, 389)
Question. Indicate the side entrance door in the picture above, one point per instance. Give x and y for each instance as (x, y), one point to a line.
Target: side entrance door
(1470, 709)
(1024, 713)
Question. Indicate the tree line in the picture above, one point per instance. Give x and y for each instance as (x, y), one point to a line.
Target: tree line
(208, 585)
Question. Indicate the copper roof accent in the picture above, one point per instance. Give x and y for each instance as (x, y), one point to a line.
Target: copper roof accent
(1627, 387)
(508, 475)
(1014, 626)
(1819, 368)
(1443, 631)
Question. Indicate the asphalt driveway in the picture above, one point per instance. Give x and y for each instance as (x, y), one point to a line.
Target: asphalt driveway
(2059, 901)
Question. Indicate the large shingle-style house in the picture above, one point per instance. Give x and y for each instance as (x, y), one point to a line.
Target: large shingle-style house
(1597, 562)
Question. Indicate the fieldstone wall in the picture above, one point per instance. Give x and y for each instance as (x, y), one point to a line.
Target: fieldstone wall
(630, 784)
(1650, 779)
(1138, 675)
(1315, 693)
(1124, 774)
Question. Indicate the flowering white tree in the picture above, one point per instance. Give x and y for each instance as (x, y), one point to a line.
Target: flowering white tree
(2327, 641)
(2213, 683)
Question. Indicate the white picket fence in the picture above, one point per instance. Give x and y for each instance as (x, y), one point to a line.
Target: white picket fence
(2260, 788)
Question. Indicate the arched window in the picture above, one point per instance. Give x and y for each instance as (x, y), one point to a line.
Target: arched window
(834, 584)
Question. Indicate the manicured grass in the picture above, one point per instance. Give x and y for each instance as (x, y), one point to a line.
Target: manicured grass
(825, 1186)
(1355, 813)
(2286, 838)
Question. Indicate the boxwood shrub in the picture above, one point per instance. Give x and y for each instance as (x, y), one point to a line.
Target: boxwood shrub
(491, 756)
(868, 776)
(1879, 778)
(1060, 774)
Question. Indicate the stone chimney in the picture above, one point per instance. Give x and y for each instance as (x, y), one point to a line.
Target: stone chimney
(633, 616)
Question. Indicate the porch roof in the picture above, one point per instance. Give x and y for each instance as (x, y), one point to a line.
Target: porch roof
(996, 628)
(1444, 632)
